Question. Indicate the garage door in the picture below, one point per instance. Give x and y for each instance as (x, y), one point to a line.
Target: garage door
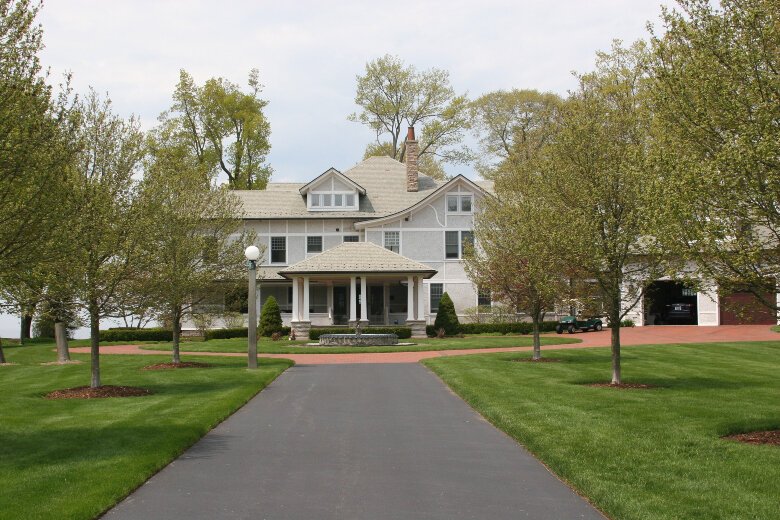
(743, 308)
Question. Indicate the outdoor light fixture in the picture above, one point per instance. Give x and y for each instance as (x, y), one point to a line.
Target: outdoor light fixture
(252, 254)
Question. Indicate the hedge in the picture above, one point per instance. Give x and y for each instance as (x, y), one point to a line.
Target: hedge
(401, 332)
(520, 327)
(152, 334)
(241, 332)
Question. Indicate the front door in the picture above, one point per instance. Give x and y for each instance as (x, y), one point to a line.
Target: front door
(340, 308)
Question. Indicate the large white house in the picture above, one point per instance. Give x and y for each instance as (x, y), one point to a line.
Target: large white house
(378, 243)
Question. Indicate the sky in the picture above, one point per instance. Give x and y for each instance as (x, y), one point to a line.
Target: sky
(309, 53)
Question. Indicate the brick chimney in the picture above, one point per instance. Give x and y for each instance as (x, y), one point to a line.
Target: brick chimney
(412, 151)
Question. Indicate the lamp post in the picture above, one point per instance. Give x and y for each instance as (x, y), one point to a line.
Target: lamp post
(252, 253)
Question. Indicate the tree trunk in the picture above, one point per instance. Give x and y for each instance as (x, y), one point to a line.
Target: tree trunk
(614, 325)
(176, 318)
(94, 344)
(2, 354)
(61, 337)
(537, 340)
(25, 325)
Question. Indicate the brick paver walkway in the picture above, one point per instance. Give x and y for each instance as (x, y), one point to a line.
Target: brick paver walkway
(629, 336)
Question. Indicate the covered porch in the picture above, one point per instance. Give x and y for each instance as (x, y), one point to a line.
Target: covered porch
(357, 283)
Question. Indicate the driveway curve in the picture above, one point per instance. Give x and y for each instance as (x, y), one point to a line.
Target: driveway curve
(629, 336)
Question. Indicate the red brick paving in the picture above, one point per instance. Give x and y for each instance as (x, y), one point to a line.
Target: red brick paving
(629, 336)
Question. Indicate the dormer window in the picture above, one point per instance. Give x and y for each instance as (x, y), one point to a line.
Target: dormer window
(332, 191)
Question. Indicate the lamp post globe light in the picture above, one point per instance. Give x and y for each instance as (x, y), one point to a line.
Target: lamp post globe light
(252, 254)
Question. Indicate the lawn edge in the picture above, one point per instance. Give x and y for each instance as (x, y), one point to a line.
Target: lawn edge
(536, 457)
(291, 364)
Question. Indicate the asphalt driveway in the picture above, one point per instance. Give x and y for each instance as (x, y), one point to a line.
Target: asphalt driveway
(355, 442)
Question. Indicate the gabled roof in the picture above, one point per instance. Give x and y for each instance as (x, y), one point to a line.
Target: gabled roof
(356, 258)
(328, 173)
(418, 204)
(384, 181)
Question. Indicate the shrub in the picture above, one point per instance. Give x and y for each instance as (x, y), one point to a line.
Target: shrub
(240, 332)
(151, 334)
(233, 320)
(446, 318)
(627, 323)
(270, 317)
(400, 331)
(519, 327)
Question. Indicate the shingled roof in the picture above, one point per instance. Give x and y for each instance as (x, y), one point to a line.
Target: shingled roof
(356, 258)
(383, 178)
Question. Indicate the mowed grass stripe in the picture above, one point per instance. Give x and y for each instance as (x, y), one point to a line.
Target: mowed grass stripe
(641, 454)
(73, 459)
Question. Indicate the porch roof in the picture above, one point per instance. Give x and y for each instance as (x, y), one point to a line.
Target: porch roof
(355, 258)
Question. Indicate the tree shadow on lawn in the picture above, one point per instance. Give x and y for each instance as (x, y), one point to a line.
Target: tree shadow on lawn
(29, 449)
(685, 383)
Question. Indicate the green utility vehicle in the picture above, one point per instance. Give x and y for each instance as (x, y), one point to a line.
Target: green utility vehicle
(571, 324)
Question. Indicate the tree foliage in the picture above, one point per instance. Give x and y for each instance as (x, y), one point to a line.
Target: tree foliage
(107, 230)
(517, 257)
(270, 317)
(393, 96)
(511, 126)
(224, 128)
(600, 184)
(196, 240)
(716, 95)
(35, 134)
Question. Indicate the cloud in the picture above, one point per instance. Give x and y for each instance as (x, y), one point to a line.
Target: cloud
(308, 54)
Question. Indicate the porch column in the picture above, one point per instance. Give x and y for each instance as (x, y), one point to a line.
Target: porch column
(386, 301)
(410, 298)
(363, 299)
(352, 299)
(420, 299)
(305, 298)
(330, 302)
(296, 315)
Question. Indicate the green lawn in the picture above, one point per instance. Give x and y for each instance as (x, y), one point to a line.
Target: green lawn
(641, 454)
(283, 346)
(73, 459)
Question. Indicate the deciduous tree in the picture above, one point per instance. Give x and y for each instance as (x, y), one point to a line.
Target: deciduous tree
(197, 241)
(224, 128)
(601, 186)
(107, 232)
(392, 96)
(34, 144)
(716, 94)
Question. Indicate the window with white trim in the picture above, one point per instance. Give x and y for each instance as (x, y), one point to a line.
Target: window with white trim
(351, 238)
(314, 244)
(452, 203)
(459, 203)
(393, 241)
(454, 242)
(437, 289)
(483, 297)
(451, 245)
(278, 250)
